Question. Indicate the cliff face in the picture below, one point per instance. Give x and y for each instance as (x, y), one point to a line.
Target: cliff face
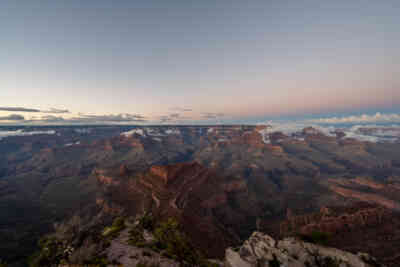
(218, 211)
(361, 227)
(262, 250)
(367, 190)
(333, 221)
(202, 200)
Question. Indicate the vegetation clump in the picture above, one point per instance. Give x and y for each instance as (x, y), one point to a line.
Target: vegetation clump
(274, 262)
(52, 251)
(174, 243)
(97, 261)
(169, 240)
(316, 237)
(146, 222)
(113, 230)
(327, 262)
(145, 264)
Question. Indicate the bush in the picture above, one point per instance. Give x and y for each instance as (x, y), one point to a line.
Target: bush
(113, 230)
(174, 243)
(147, 222)
(51, 252)
(170, 241)
(98, 261)
(274, 262)
(316, 237)
(327, 262)
(145, 264)
(135, 237)
(119, 222)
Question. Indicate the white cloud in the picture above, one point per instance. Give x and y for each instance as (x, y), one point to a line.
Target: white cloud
(23, 109)
(134, 131)
(363, 132)
(55, 111)
(4, 134)
(289, 128)
(364, 118)
(12, 117)
(89, 119)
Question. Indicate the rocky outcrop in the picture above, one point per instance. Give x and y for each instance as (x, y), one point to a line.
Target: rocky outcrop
(262, 250)
(103, 179)
(362, 226)
(329, 220)
(109, 208)
(127, 255)
(253, 138)
(367, 197)
(235, 186)
(311, 131)
(277, 137)
(161, 171)
(274, 148)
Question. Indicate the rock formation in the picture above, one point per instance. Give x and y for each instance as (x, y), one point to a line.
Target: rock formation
(262, 250)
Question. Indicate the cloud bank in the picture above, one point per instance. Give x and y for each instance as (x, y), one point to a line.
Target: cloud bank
(180, 109)
(55, 111)
(211, 115)
(110, 118)
(20, 132)
(373, 128)
(376, 118)
(34, 110)
(19, 109)
(93, 119)
(12, 117)
(174, 118)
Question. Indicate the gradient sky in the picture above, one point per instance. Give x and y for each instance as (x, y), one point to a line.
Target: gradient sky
(246, 60)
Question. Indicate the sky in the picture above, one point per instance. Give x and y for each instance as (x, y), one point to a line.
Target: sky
(197, 61)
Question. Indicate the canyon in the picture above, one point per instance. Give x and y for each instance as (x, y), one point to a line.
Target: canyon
(221, 183)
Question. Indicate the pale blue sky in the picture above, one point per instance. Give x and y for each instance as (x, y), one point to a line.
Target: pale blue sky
(245, 59)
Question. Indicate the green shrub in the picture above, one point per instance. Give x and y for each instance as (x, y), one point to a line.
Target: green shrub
(98, 261)
(113, 230)
(170, 241)
(135, 237)
(316, 237)
(147, 222)
(51, 253)
(328, 262)
(274, 262)
(119, 222)
(145, 264)
(175, 243)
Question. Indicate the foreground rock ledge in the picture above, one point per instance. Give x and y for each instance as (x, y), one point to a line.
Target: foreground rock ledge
(262, 250)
